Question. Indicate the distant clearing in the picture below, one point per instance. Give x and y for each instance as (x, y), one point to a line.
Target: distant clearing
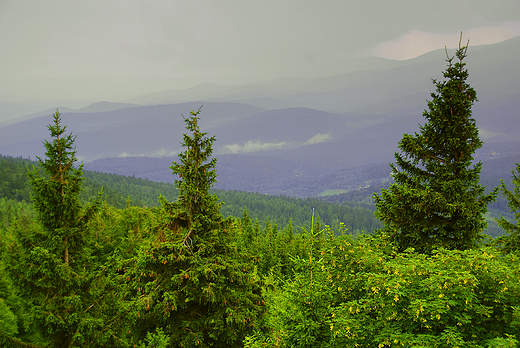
(332, 192)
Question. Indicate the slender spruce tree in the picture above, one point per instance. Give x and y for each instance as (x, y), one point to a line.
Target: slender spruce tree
(436, 200)
(50, 261)
(194, 284)
(196, 175)
(56, 194)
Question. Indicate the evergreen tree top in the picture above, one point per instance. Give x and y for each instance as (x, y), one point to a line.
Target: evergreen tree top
(60, 152)
(56, 198)
(197, 174)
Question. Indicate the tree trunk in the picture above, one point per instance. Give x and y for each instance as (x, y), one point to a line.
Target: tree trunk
(66, 252)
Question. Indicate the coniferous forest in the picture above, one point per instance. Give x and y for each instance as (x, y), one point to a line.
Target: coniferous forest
(97, 260)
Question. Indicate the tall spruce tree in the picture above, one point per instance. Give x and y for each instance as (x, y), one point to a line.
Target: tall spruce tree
(56, 195)
(50, 261)
(197, 174)
(193, 282)
(436, 200)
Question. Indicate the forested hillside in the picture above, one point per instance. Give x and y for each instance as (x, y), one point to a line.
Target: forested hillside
(120, 191)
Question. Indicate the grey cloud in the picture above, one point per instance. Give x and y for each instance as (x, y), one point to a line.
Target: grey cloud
(228, 41)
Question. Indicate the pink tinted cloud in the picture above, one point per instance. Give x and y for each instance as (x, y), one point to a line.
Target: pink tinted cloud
(417, 42)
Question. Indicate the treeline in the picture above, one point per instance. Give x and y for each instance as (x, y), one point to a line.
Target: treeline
(120, 191)
(14, 183)
(279, 209)
(356, 217)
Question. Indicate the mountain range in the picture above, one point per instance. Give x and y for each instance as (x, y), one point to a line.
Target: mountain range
(288, 136)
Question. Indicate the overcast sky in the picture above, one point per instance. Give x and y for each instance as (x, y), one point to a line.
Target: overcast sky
(224, 41)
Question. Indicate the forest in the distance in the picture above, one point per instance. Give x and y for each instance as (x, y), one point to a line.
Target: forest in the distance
(120, 191)
(97, 260)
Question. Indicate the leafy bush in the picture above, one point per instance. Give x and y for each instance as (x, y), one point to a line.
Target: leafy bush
(451, 298)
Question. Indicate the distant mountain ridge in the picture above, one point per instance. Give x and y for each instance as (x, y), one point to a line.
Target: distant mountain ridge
(287, 132)
(490, 66)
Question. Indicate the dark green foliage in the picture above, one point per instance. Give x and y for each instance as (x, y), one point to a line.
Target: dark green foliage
(8, 302)
(50, 262)
(357, 217)
(197, 174)
(191, 279)
(56, 195)
(13, 179)
(209, 297)
(119, 190)
(436, 200)
(511, 242)
(272, 249)
(11, 210)
(11, 309)
(16, 186)
(120, 235)
(10, 342)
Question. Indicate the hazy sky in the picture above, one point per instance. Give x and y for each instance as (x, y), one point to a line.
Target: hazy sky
(223, 41)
